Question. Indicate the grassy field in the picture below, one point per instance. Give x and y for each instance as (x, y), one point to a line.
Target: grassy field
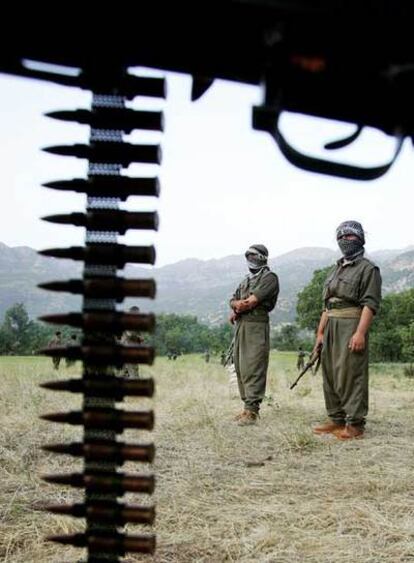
(273, 493)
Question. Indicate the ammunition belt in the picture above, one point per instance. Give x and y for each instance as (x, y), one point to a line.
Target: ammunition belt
(102, 325)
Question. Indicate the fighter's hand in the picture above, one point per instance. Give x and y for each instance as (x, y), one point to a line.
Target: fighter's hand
(233, 317)
(246, 304)
(236, 304)
(357, 342)
(241, 306)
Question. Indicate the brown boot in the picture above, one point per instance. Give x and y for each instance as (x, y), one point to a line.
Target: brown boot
(248, 419)
(240, 415)
(329, 427)
(350, 432)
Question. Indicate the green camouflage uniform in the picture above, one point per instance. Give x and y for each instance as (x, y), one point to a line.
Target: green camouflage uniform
(345, 374)
(251, 342)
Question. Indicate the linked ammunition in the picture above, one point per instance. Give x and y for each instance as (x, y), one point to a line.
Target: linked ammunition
(107, 418)
(111, 152)
(118, 543)
(105, 386)
(105, 450)
(105, 253)
(119, 118)
(106, 511)
(103, 354)
(108, 220)
(116, 288)
(112, 321)
(109, 186)
(118, 483)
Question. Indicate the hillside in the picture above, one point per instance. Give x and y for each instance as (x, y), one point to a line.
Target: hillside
(197, 287)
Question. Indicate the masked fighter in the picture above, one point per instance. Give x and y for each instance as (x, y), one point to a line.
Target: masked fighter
(351, 296)
(251, 304)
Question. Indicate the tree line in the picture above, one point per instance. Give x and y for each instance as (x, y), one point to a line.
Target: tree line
(391, 335)
(183, 334)
(21, 336)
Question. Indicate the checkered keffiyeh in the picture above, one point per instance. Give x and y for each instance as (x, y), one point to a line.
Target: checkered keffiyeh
(350, 228)
(351, 248)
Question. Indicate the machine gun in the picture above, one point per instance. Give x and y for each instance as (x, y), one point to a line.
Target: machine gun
(344, 60)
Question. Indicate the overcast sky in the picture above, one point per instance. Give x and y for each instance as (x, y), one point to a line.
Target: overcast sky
(224, 186)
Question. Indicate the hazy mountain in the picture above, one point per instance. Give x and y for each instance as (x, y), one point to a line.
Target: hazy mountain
(197, 287)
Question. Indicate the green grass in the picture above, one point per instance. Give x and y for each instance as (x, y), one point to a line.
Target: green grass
(272, 493)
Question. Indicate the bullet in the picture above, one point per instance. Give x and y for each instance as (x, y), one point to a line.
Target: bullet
(98, 450)
(106, 511)
(118, 118)
(105, 253)
(111, 152)
(108, 220)
(104, 354)
(101, 482)
(104, 321)
(118, 543)
(126, 85)
(110, 186)
(106, 418)
(116, 288)
(105, 386)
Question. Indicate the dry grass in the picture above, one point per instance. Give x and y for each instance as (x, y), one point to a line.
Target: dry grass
(273, 493)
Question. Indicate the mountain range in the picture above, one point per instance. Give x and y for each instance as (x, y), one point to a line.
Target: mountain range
(196, 287)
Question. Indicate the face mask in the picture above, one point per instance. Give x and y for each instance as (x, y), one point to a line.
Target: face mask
(350, 247)
(252, 263)
(351, 228)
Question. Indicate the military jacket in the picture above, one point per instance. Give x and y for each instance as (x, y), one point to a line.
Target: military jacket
(265, 287)
(354, 283)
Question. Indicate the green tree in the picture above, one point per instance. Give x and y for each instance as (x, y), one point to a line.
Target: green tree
(16, 329)
(185, 334)
(20, 335)
(390, 331)
(288, 338)
(407, 340)
(309, 306)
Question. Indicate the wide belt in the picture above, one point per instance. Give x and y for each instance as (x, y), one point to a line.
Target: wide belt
(345, 313)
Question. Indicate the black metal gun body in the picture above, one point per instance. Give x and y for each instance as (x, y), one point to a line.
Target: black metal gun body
(345, 60)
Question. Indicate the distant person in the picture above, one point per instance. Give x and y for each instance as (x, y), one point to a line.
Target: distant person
(131, 338)
(352, 296)
(175, 354)
(223, 358)
(53, 343)
(251, 304)
(73, 341)
(207, 356)
(300, 362)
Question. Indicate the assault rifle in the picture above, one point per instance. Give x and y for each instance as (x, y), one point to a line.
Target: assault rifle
(315, 359)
